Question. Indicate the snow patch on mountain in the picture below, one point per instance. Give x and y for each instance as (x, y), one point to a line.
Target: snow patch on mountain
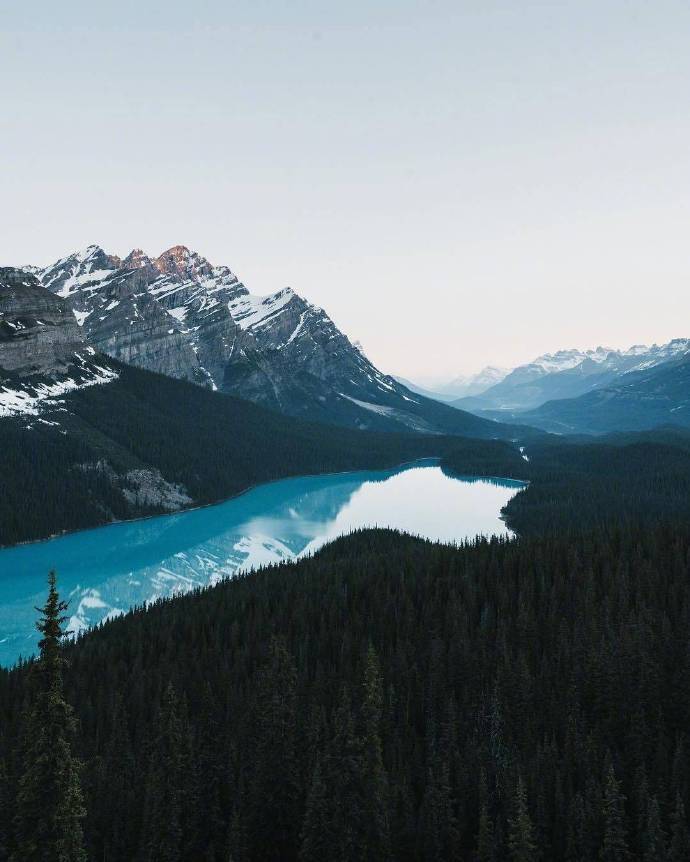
(253, 312)
(29, 398)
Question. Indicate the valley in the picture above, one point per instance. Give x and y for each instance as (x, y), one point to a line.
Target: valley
(105, 572)
(274, 554)
(344, 432)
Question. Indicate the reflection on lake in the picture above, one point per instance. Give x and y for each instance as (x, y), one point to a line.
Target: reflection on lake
(107, 570)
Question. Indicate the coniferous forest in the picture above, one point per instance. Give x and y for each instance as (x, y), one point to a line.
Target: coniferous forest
(436, 289)
(386, 699)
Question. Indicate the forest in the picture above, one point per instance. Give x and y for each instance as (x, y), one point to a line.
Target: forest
(575, 486)
(387, 698)
(67, 469)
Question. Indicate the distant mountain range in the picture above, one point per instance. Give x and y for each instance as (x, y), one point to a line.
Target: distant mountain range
(180, 315)
(592, 391)
(464, 385)
(567, 374)
(467, 385)
(633, 401)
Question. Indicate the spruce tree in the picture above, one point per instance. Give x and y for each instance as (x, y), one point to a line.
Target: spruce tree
(486, 839)
(274, 804)
(316, 830)
(50, 806)
(576, 849)
(162, 827)
(342, 768)
(375, 800)
(614, 846)
(679, 850)
(521, 841)
(237, 839)
(654, 838)
(4, 812)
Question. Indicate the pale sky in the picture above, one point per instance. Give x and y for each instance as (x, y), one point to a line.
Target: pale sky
(456, 183)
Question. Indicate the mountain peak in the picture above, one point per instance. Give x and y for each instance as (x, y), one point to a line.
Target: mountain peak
(136, 259)
(181, 261)
(87, 253)
(94, 254)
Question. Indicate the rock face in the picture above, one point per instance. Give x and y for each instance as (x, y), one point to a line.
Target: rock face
(38, 332)
(182, 316)
(43, 352)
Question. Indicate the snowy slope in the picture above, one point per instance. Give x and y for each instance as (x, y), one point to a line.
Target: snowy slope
(43, 354)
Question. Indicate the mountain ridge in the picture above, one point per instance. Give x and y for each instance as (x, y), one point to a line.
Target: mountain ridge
(180, 315)
(567, 374)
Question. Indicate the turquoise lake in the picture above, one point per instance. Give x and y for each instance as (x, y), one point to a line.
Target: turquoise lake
(105, 571)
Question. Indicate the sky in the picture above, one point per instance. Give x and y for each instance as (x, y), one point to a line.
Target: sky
(456, 183)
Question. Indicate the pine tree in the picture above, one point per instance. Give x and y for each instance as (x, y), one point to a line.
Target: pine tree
(575, 850)
(4, 812)
(521, 840)
(342, 770)
(486, 839)
(162, 829)
(273, 817)
(679, 850)
(316, 830)
(438, 827)
(375, 801)
(614, 846)
(237, 839)
(50, 806)
(654, 838)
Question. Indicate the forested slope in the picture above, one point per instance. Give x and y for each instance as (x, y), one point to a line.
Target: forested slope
(575, 486)
(146, 443)
(392, 699)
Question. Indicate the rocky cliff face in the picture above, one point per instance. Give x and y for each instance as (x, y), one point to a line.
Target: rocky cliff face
(43, 353)
(38, 332)
(182, 316)
(179, 315)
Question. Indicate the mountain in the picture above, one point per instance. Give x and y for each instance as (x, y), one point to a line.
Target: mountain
(147, 444)
(474, 384)
(421, 390)
(567, 374)
(179, 315)
(86, 439)
(654, 396)
(43, 353)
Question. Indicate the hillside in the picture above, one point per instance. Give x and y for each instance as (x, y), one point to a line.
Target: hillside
(85, 440)
(391, 699)
(148, 444)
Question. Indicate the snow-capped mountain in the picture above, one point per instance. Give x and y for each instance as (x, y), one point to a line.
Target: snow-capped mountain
(180, 315)
(43, 354)
(655, 393)
(569, 374)
(474, 384)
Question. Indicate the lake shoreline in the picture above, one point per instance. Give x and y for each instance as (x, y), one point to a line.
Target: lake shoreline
(105, 572)
(193, 508)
